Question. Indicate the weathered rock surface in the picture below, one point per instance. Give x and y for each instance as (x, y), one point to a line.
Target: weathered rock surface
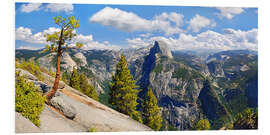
(23, 125)
(42, 87)
(63, 104)
(72, 111)
(27, 74)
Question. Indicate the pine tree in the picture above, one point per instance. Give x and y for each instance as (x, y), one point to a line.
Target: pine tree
(151, 112)
(202, 125)
(123, 92)
(59, 42)
(86, 88)
(74, 79)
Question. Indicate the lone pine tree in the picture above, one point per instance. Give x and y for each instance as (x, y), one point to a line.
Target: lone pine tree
(60, 42)
(123, 91)
(151, 112)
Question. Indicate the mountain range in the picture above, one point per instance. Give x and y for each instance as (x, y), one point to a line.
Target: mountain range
(188, 86)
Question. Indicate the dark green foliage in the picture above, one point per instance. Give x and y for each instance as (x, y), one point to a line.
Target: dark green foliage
(74, 79)
(248, 119)
(104, 97)
(203, 124)
(30, 67)
(87, 72)
(158, 68)
(214, 110)
(28, 101)
(183, 72)
(65, 77)
(123, 92)
(151, 112)
(180, 72)
(86, 88)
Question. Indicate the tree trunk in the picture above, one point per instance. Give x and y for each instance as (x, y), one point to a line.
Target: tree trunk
(57, 76)
(57, 79)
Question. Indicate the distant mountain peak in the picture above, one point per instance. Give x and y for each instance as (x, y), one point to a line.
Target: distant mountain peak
(162, 47)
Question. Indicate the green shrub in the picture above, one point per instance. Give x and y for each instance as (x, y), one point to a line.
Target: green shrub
(203, 124)
(248, 119)
(92, 130)
(30, 67)
(28, 101)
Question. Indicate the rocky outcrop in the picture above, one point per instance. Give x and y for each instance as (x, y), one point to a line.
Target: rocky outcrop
(82, 59)
(63, 104)
(72, 111)
(26, 74)
(42, 87)
(162, 48)
(176, 92)
(68, 62)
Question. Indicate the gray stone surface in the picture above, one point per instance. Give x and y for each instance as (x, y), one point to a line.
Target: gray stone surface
(63, 104)
(42, 87)
(26, 74)
(52, 122)
(23, 125)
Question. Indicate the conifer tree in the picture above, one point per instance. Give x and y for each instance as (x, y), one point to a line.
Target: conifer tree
(74, 79)
(123, 91)
(86, 88)
(59, 42)
(151, 112)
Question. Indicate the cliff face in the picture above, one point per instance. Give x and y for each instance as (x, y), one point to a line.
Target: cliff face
(175, 85)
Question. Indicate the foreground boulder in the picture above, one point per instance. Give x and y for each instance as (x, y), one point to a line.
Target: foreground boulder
(62, 103)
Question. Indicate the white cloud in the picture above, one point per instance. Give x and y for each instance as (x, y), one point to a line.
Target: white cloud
(173, 17)
(209, 40)
(198, 22)
(229, 12)
(55, 7)
(26, 35)
(137, 42)
(130, 22)
(27, 8)
(145, 35)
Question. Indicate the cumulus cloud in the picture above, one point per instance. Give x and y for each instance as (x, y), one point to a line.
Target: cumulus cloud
(27, 8)
(26, 35)
(137, 42)
(55, 7)
(130, 22)
(209, 40)
(229, 12)
(52, 7)
(198, 22)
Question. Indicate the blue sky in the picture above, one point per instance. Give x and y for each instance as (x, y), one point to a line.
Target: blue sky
(125, 26)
